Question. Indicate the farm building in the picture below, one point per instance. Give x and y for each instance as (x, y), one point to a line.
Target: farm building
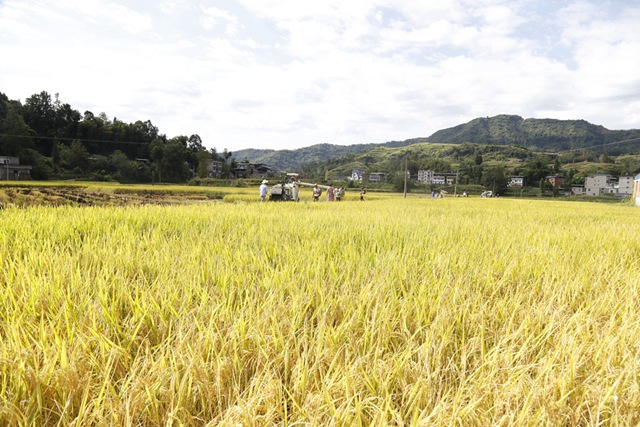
(12, 170)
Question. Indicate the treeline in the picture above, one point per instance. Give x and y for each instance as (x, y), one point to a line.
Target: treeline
(60, 142)
(476, 164)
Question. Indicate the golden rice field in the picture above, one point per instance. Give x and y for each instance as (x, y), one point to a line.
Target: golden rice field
(402, 312)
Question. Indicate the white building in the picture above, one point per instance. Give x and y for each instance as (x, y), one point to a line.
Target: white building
(443, 178)
(625, 185)
(357, 175)
(598, 184)
(516, 181)
(602, 184)
(577, 190)
(425, 176)
(437, 178)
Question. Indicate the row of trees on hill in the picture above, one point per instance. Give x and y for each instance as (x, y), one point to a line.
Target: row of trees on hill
(490, 166)
(59, 141)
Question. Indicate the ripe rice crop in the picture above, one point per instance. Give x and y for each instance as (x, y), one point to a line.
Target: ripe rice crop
(385, 312)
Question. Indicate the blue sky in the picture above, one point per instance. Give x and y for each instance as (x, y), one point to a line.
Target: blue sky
(292, 73)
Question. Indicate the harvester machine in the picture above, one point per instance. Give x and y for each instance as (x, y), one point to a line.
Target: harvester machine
(289, 189)
(286, 191)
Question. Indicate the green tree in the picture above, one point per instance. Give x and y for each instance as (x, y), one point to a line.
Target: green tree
(4, 103)
(56, 154)
(75, 157)
(66, 121)
(398, 183)
(15, 135)
(495, 178)
(42, 168)
(170, 160)
(39, 114)
(536, 169)
(204, 158)
(194, 147)
(544, 185)
(124, 168)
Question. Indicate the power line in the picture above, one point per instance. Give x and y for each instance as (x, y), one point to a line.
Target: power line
(597, 146)
(75, 139)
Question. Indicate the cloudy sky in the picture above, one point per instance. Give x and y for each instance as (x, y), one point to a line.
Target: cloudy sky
(293, 73)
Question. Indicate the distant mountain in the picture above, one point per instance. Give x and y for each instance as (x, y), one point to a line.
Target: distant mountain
(545, 135)
(290, 160)
(549, 135)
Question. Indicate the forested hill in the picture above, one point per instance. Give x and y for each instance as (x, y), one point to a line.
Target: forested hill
(544, 135)
(294, 159)
(549, 135)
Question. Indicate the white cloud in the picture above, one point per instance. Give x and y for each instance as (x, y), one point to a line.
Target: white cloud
(284, 73)
(213, 16)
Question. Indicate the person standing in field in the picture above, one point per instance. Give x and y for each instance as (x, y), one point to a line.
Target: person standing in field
(362, 193)
(263, 190)
(316, 193)
(330, 194)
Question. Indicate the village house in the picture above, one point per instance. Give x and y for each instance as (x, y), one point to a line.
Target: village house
(577, 190)
(598, 184)
(12, 170)
(377, 177)
(214, 169)
(516, 181)
(437, 178)
(556, 181)
(425, 176)
(603, 184)
(253, 170)
(625, 185)
(357, 175)
(444, 178)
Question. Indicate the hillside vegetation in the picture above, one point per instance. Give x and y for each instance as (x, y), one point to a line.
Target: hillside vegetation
(509, 137)
(294, 159)
(540, 134)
